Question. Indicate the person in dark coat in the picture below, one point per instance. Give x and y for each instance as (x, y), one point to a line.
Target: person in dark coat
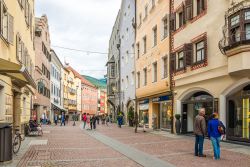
(94, 119)
(136, 121)
(63, 119)
(119, 119)
(91, 122)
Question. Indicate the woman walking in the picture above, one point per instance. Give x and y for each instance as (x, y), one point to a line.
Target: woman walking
(215, 130)
(88, 121)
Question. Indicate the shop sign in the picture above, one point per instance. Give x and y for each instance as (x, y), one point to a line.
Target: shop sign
(144, 106)
(144, 101)
(161, 98)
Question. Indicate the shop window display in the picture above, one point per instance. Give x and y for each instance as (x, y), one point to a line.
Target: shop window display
(238, 115)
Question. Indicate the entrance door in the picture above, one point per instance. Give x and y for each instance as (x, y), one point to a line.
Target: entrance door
(184, 118)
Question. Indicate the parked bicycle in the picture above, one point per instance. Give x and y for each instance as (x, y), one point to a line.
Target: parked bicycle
(17, 140)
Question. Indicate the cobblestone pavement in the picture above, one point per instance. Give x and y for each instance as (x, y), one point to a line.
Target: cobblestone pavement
(72, 147)
(178, 150)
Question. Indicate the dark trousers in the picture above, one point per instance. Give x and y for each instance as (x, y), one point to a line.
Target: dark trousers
(91, 125)
(62, 123)
(199, 141)
(56, 122)
(94, 125)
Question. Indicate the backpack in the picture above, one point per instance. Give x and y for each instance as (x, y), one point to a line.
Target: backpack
(221, 128)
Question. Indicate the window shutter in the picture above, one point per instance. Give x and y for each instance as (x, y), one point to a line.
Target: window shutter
(184, 14)
(172, 63)
(188, 9)
(242, 26)
(205, 48)
(188, 51)
(23, 4)
(10, 29)
(172, 21)
(18, 48)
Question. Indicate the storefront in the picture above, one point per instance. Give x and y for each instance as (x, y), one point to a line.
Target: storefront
(191, 106)
(144, 111)
(238, 115)
(163, 114)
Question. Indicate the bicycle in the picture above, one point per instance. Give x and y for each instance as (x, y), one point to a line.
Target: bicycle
(17, 140)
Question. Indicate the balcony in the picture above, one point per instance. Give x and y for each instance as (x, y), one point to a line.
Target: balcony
(235, 43)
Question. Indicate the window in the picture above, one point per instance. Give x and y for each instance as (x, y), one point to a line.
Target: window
(19, 48)
(7, 24)
(239, 27)
(112, 71)
(165, 27)
(181, 19)
(200, 51)
(155, 36)
(138, 49)
(247, 29)
(145, 76)
(138, 79)
(146, 12)
(127, 82)
(132, 78)
(140, 19)
(180, 60)
(153, 3)
(235, 20)
(155, 72)
(145, 45)
(165, 67)
(200, 6)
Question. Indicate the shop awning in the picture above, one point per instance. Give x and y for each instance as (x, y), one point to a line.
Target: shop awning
(16, 72)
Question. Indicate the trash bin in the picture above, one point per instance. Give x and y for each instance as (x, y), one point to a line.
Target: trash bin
(5, 142)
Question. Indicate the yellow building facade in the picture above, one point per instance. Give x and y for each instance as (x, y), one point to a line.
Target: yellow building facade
(17, 59)
(72, 92)
(153, 94)
(210, 62)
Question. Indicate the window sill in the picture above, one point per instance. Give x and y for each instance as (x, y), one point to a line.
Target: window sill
(198, 62)
(4, 40)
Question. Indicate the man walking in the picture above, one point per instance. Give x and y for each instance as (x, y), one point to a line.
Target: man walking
(63, 119)
(55, 119)
(199, 131)
(107, 120)
(74, 119)
(136, 121)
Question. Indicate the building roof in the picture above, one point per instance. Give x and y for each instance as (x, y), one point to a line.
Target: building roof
(82, 78)
(100, 83)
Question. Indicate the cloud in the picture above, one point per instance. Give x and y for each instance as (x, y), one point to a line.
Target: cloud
(84, 25)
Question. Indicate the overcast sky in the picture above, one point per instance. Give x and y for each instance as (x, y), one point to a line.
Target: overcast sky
(80, 24)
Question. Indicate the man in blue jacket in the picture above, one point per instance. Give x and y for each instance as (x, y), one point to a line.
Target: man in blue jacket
(214, 134)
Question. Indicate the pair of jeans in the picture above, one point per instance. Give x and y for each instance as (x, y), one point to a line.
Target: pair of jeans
(84, 124)
(199, 140)
(216, 146)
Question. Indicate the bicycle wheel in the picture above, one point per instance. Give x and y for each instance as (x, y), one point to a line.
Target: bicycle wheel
(16, 144)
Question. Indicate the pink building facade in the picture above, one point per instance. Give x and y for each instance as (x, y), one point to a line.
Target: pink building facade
(42, 68)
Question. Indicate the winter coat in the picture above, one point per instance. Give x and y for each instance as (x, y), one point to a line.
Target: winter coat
(212, 128)
(200, 125)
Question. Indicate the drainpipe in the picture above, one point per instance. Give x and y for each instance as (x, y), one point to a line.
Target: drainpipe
(171, 79)
(136, 106)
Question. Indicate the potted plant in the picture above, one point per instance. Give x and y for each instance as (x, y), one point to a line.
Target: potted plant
(178, 123)
(131, 116)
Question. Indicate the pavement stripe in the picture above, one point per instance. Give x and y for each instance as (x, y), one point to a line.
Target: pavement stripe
(140, 157)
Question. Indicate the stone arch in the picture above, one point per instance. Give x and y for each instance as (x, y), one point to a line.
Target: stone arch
(233, 88)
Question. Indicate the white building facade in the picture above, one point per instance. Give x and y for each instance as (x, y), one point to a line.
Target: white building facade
(127, 56)
(56, 94)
